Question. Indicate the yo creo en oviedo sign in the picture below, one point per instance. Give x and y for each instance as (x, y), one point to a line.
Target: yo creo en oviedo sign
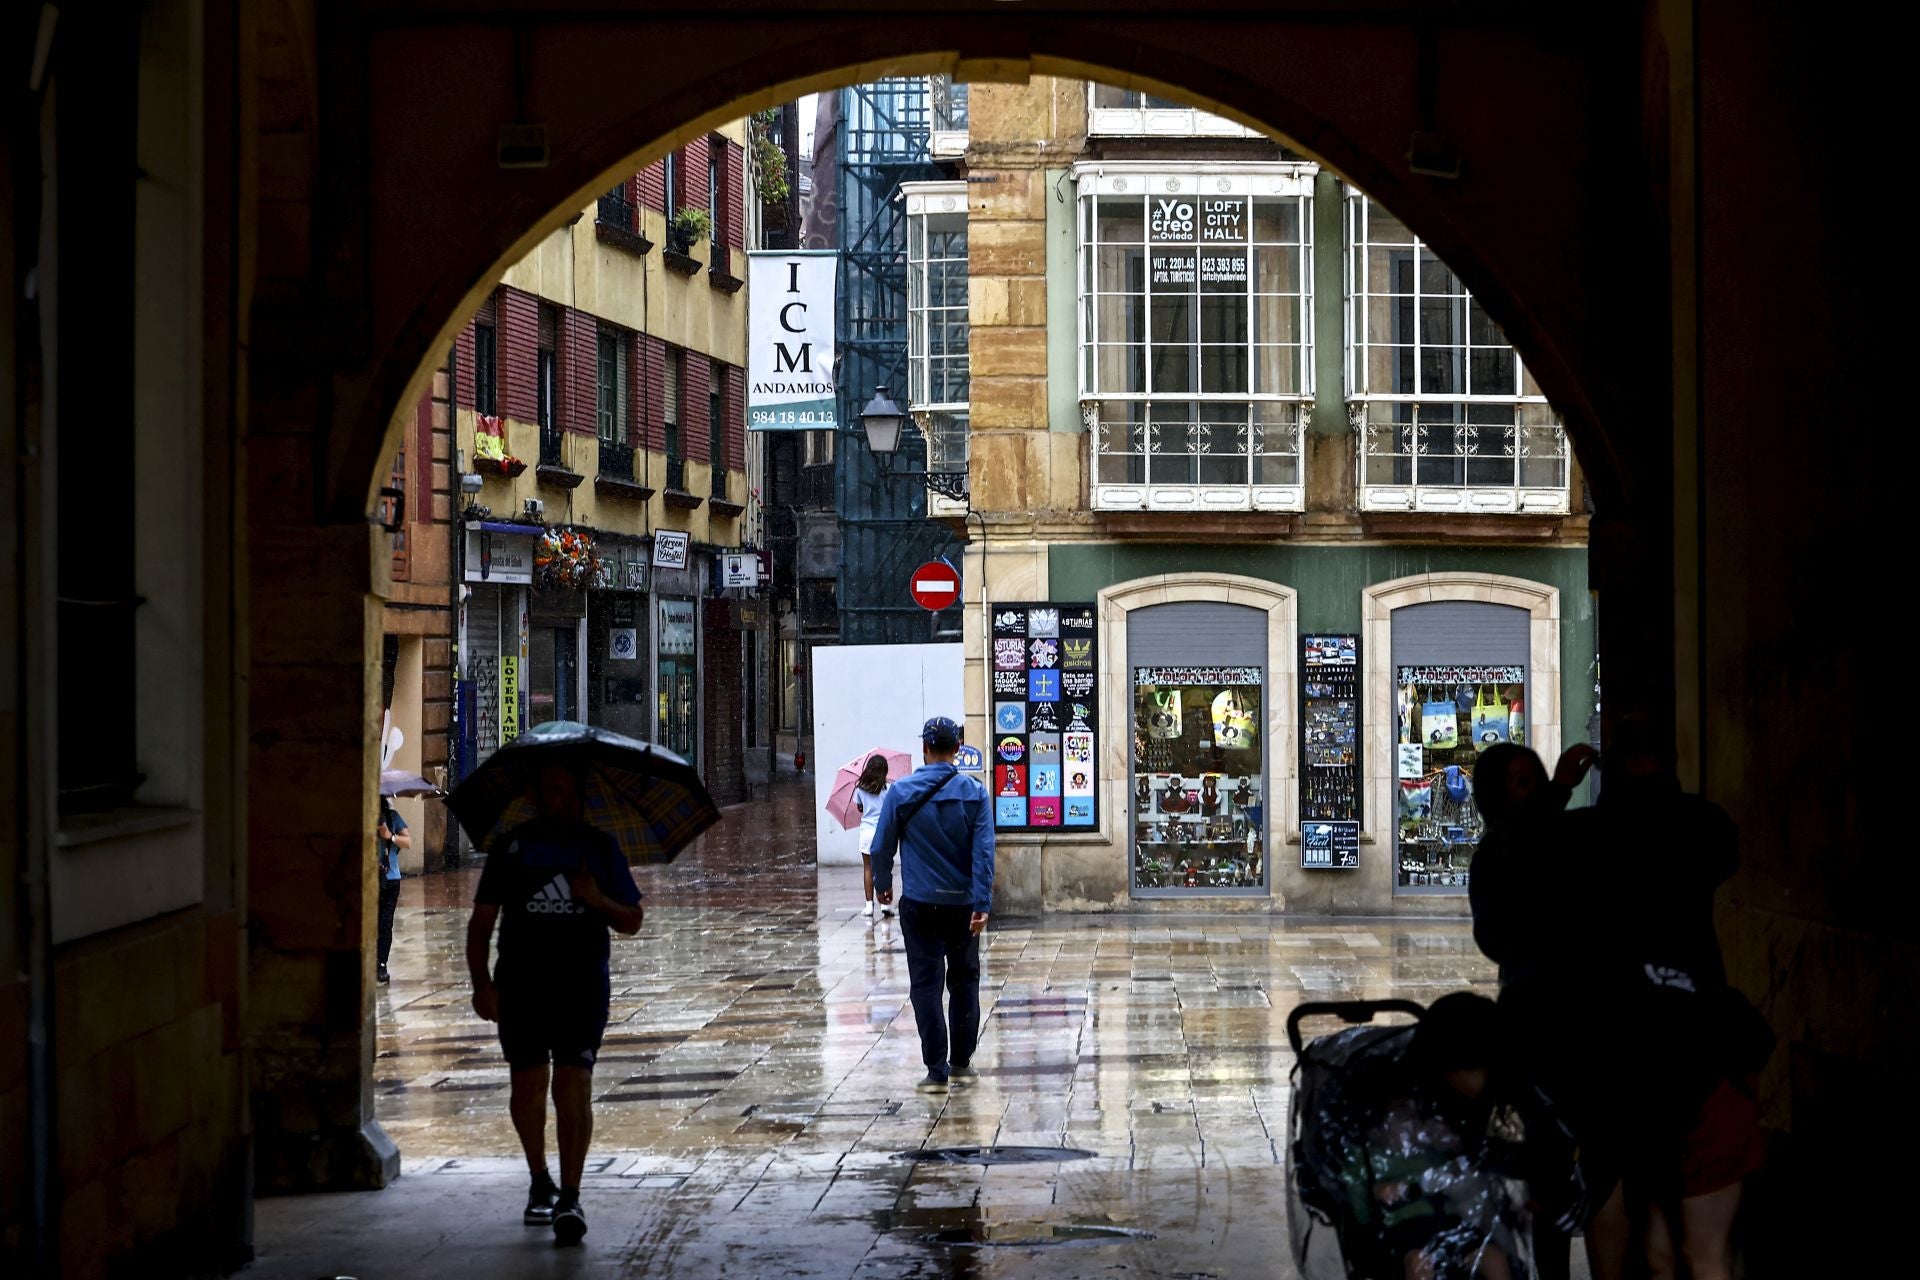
(790, 348)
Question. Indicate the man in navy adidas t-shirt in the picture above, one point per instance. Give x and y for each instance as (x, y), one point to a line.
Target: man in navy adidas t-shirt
(556, 885)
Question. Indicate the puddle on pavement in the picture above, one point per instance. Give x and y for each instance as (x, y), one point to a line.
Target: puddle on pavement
(992, 1155)
(1031, 1235)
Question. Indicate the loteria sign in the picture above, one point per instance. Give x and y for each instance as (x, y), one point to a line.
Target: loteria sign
(790, 344)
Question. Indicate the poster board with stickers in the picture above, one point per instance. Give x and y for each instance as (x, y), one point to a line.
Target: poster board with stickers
(1043, 669)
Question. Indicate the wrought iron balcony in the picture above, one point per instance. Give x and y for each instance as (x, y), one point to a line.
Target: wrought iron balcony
(1498, 458)
(616, 460)
(1197, 456)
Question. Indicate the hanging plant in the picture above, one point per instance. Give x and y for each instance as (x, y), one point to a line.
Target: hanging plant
(693, 224)
(564, 559)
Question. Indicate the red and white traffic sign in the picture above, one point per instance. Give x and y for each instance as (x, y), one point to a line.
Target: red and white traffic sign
(935, 585)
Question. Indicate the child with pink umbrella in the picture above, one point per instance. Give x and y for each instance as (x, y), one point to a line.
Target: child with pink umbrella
(858, 788)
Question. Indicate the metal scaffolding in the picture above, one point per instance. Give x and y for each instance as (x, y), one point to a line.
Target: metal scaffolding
(883, 139)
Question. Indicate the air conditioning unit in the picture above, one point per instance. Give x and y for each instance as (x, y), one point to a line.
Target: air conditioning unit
(534, 508)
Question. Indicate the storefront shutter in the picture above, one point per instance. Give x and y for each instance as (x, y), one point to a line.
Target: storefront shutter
(1193, 633)
(1460, 631)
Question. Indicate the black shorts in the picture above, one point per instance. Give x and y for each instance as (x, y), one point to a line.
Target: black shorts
(538, 1026)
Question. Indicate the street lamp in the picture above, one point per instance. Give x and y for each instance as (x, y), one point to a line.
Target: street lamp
(883, 420)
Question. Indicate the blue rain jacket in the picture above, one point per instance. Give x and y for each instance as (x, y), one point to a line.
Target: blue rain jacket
(945, 848)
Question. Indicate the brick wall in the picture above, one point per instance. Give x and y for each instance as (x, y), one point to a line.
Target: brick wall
(579, 366)
(653, 358)
(516, 346)
(693, 412)
(725, 713)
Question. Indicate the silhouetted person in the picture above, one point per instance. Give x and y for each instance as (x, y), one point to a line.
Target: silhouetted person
(1520, 804)
(940, 821)
(557, 884)
(1625, 1011)
(393, 837)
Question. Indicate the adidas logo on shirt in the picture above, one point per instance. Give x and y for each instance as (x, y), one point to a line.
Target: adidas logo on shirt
(555, 899)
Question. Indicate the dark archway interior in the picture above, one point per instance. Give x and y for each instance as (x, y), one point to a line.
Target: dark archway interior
(1620, 209)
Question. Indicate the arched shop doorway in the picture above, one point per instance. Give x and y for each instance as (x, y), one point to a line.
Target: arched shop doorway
(361, 172)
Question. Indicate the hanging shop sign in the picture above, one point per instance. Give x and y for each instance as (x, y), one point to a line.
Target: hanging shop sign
(676, 628)
(1329, 729)
(1045, 676)
(509, 698)
(501, 554)
(790, 341)
(1330, 846)
(740, 569)
(670, 549)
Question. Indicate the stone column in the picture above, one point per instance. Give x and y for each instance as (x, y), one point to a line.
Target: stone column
(313, 708)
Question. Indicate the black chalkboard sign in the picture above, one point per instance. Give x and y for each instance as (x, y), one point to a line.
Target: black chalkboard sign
(1330, 846)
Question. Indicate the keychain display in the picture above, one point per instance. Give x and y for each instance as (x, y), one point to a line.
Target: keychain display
(1198, 765)
(1452, 713)
(1330, 728)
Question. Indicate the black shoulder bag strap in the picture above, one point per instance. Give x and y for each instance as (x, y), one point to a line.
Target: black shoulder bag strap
(908, 810)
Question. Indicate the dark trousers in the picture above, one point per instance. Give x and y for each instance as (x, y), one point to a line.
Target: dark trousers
(389, 899)
(941, 948)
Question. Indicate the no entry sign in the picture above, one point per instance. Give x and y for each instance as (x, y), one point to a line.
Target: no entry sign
(935, 585)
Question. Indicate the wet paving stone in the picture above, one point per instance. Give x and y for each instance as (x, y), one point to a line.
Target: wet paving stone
(758, 1073)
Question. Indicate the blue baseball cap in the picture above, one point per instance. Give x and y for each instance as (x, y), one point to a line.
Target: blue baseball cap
(940, 733)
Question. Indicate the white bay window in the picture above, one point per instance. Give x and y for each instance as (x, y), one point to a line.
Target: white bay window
(938, 370)
(1196, 335)
(1447, 416)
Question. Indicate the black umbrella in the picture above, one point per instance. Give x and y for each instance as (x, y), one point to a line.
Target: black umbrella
(647, 798)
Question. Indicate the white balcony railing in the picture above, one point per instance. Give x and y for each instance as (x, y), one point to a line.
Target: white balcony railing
(1205, 457)
(1461, 457)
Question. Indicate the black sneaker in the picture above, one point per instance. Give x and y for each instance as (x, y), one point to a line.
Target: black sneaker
(934, 1083)
(964, 1074)
(540, 1204)
(383, 977)
(569, 1224)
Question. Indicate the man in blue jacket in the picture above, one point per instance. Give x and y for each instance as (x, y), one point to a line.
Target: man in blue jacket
(941, 823)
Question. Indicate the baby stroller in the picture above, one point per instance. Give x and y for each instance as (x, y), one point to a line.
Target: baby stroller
(1391, 1171)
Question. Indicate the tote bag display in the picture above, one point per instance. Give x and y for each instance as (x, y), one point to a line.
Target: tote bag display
(1233, 723)
(1416, 800)
(1440, 726)
(1489, 718)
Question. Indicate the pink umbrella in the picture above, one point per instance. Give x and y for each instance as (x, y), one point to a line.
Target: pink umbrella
(840, 804)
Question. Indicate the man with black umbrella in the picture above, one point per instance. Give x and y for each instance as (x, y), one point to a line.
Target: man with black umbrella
(557, 884)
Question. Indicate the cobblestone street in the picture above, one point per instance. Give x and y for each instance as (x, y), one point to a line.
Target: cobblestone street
(757, 1080)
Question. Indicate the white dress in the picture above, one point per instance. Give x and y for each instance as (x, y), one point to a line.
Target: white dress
(869, 806)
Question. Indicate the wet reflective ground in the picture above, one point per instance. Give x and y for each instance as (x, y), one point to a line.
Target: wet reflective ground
(757, 1079)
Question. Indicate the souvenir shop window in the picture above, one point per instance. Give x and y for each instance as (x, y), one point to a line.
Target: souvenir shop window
(1448, 715)
(1199, 778)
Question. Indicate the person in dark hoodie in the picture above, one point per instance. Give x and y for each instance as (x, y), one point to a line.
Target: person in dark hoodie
(1616, 989)
(940, 823)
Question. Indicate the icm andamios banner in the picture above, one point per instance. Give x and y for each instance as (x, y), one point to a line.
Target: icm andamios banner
(790, 340)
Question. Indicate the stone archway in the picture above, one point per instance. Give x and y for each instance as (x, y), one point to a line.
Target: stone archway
(382, 244)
